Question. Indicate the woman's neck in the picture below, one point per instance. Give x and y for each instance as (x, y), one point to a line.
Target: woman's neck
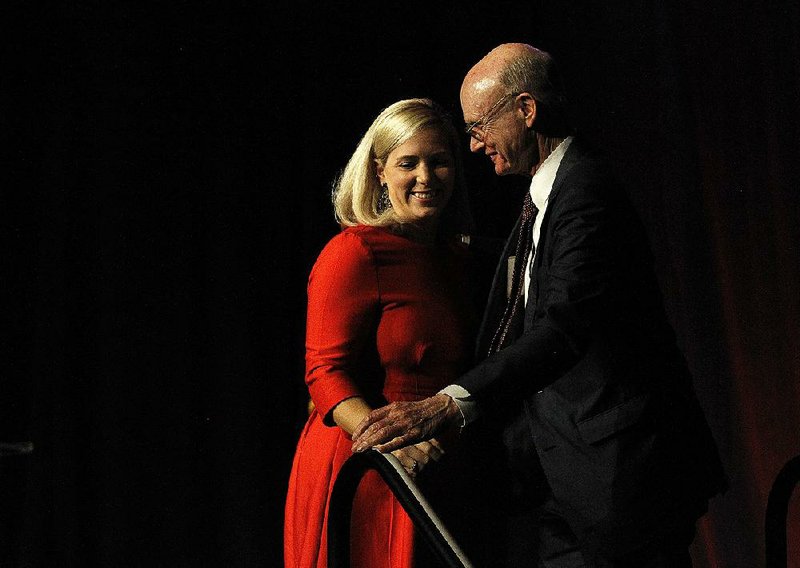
(423, 233)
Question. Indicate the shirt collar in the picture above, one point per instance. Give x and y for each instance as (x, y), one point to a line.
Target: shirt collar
(543, 179)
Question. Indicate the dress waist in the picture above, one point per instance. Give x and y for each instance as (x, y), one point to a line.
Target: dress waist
(416, 384)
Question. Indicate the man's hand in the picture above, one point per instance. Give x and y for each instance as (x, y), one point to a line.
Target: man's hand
(402, 423)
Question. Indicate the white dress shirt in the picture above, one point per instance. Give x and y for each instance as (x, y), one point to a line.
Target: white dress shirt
(541, 185)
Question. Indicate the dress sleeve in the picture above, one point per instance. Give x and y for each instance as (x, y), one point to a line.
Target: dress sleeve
(342, 311)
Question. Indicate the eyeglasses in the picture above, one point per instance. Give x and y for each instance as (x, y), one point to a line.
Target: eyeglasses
(475, 129)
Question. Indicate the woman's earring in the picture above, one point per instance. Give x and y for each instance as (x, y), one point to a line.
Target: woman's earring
(383, 200)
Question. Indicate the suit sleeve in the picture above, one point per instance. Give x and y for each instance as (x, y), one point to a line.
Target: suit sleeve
(342, 311)
(577, 295)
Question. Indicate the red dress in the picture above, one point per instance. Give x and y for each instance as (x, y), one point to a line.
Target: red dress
(387, 320)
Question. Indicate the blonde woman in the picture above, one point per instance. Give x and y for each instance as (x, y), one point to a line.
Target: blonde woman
(389, 319)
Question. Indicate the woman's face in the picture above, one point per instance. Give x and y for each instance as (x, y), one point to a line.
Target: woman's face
(420, 174)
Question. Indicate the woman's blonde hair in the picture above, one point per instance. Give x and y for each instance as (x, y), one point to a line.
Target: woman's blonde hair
(357, 190)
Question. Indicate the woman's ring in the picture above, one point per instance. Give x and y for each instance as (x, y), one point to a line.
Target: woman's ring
(414, 466)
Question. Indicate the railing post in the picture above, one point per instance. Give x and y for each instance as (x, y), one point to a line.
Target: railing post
(777, 510)
(403, 487)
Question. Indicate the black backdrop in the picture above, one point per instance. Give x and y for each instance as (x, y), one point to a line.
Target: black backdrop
(165, 189)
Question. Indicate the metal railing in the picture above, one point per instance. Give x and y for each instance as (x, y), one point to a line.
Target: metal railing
(426, 521)
(777, 511)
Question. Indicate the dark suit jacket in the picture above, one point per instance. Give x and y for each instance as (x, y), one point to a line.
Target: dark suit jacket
(595, 378)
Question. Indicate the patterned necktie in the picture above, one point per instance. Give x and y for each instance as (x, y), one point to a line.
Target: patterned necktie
(516, 298)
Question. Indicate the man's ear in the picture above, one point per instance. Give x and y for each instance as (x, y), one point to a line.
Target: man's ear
(527, 104)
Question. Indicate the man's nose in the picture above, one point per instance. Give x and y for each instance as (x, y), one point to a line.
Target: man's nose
(475, 145)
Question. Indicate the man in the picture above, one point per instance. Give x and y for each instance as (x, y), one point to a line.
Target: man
(579, 360)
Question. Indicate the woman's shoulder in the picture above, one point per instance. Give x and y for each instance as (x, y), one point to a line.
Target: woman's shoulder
(346, 267)
(352, 244)
(377, 242)
(343, 257)
(349, 239)
(363, 232)
(360, 236)
(374, 238)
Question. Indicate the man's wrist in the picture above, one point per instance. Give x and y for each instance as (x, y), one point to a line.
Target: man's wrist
(467, 408)
(453, 414)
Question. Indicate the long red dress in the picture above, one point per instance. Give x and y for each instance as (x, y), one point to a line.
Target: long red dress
(387, 320)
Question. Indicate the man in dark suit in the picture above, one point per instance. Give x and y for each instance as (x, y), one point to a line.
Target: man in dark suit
(578, 360)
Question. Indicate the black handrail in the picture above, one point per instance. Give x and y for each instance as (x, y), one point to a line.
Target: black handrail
(777, 510)
(400, 483)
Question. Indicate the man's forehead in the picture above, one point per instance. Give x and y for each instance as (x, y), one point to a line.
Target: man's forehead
(482, 86)
(478, 95)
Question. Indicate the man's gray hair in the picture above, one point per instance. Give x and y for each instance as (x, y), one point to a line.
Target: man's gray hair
(534, 71)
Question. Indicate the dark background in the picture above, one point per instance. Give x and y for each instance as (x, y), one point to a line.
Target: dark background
(165, 189)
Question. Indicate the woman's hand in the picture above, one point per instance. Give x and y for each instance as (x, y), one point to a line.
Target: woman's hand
(416, 457)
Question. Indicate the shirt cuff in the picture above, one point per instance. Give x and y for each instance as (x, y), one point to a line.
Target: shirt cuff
(462, 398)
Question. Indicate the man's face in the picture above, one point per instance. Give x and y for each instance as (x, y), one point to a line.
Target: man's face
(499, 130)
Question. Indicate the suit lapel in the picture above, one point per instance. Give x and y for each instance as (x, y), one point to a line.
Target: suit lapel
(497, 297)
(571, 158)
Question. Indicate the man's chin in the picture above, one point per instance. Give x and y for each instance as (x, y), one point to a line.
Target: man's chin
(502, 168)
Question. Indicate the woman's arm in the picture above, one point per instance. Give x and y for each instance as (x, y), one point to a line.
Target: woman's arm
(343, 307)
(350, 412)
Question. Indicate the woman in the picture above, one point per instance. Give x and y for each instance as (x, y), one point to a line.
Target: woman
(388, 319)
